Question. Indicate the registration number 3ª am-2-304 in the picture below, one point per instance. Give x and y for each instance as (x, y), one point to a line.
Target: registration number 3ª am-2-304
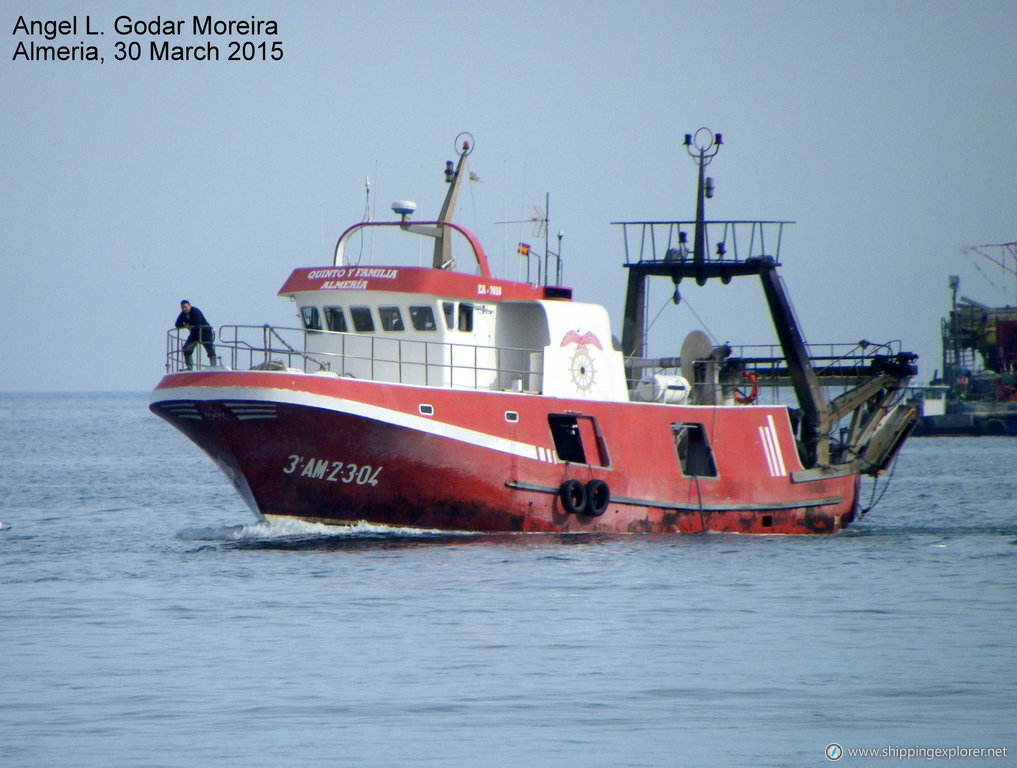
(332, 471)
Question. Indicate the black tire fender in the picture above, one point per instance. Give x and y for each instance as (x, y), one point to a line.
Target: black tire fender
(598, 496)
(573, 497)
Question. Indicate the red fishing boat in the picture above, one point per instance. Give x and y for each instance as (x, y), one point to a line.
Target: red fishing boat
(438, 398)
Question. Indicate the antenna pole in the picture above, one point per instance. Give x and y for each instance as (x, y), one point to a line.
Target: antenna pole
(547, 218)
(557, 270)
(702, 148)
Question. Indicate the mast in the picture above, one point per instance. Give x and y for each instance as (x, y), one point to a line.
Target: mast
(706, 150)
(441, 229)
(454, 178)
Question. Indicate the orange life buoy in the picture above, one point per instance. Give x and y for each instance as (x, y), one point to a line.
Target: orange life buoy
(744, 397)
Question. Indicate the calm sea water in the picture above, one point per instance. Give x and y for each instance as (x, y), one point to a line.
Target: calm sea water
(147, 620)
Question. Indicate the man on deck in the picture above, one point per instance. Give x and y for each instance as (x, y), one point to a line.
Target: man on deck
(200, 332)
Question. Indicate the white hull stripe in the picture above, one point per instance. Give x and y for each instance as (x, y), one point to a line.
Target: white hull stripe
(265, 396)
(771, 448)
(183, 411)
(546, 454)
(251, 411)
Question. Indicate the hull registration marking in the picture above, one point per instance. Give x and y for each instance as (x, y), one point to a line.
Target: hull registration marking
(332, 471)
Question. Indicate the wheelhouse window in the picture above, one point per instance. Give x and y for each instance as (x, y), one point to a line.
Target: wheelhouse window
(311, 318)
(363, 322)
(335, 320)
(694, 453)
(465, 319)
(391, 319)
(422, 319)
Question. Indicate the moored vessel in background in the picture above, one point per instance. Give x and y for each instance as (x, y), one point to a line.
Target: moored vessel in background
(977, 393)
(439, 398)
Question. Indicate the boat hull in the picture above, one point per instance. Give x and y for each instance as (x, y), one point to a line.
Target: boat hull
(340, 451)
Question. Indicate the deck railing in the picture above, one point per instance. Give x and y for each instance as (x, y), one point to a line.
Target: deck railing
(725, 242)
(838, 366)
(366, 356)
(466, 366)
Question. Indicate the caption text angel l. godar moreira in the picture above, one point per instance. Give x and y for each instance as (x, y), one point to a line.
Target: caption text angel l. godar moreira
(125, 39)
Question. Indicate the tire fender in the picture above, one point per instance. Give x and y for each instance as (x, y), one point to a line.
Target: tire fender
(598, 496)
(572, 495)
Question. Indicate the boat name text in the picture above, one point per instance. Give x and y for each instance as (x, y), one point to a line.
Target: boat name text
(353, 273)
(332, 471)
(350, 278)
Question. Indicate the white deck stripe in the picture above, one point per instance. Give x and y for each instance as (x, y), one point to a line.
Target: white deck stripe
(771, 448)
(782, 469)
(771, 462)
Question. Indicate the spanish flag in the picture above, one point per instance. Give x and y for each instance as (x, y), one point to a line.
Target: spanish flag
(523, 249)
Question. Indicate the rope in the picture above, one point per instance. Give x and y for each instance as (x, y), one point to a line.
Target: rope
(685, 301)
(292, 350)
(657, 316)
(700, 321)
(699, 495)
(283, 341)
(874, 501)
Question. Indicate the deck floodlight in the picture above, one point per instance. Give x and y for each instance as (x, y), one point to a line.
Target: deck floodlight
(449, 171)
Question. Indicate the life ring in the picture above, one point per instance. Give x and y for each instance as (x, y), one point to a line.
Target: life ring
(745, 398)
(598, 496)
(573, 497)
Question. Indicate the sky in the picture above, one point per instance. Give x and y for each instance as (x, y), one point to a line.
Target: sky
(885, 129)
